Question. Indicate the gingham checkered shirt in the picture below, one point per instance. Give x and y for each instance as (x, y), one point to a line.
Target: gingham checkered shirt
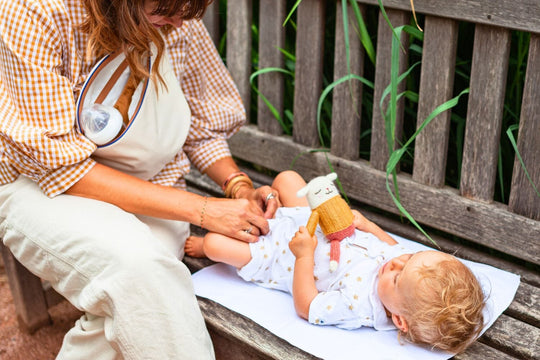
(42, 69)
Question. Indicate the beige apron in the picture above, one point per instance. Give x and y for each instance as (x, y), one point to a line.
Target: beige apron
(159, 122)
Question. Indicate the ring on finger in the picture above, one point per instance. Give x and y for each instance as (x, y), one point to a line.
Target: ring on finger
(270, 196)
(248, 231)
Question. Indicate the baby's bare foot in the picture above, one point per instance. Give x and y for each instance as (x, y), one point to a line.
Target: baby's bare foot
(194, 247)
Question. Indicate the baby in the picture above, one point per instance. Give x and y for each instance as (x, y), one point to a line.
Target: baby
(430, 297)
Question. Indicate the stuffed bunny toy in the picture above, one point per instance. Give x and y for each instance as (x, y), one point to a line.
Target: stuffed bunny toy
(330, 211)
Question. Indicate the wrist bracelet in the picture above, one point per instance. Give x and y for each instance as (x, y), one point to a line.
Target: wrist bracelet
(232, 176)
(203, 210)
(238, 179)
(237, 187)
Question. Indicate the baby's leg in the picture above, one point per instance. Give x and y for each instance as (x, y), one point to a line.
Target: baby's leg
(288, 183)
(221, 248)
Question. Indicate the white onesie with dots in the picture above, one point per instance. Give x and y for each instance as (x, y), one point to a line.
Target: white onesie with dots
(347, 297)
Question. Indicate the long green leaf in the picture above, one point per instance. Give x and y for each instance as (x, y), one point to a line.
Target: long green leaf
(513, 141)
(273, 110)
(292, 12)
(328, 89)
(365, 39)
(396, 156)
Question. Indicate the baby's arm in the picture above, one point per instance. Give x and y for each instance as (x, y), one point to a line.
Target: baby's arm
(363, 224)
(303, 247)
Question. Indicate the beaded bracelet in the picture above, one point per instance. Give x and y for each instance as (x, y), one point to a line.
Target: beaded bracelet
(203, 210)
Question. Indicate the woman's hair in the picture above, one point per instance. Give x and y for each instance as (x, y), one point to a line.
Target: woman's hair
(114, 25)
(445, 308)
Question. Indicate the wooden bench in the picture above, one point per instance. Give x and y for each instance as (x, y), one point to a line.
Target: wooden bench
(464, 220)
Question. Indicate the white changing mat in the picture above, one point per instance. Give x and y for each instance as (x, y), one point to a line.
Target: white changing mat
(274, 310)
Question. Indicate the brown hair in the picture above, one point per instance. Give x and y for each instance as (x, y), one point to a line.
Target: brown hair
(114, 25)
(445, 308)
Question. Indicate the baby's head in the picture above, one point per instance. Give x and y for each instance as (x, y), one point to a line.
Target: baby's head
(433, 299)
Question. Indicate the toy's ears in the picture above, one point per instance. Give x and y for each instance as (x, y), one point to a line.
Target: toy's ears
(302, 192)
(332, 176)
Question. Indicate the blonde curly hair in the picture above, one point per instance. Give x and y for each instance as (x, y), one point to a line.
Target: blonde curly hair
(445, 308)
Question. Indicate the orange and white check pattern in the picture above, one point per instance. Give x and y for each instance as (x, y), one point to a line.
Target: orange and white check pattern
(42, 69)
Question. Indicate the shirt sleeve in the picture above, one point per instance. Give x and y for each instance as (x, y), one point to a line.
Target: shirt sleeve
(216, 107)
(37, 106)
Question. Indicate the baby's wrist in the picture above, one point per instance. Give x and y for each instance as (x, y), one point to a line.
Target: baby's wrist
(305, 258)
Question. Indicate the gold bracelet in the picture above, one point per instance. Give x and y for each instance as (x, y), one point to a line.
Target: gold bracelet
(203, 210)
(234, 181)
(238, 187)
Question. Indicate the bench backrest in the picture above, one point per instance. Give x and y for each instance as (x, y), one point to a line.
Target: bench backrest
(468, 212)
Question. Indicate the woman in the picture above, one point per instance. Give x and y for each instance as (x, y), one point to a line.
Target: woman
(106, 223)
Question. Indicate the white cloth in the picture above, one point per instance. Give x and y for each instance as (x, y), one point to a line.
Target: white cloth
(347, 297)
(274, 310)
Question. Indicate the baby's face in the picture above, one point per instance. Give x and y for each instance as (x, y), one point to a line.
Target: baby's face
(400, 275)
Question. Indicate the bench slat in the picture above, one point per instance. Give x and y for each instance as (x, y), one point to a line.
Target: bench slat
(436, 87)
(519, 14)
(379, 148)
(514, 337)
(27, 292)
(347, 97)
(523, 199)
(271, 39)
(237, 337)
(484, 114)
(211, 21)
(487, 224)
(308, 80)
(482, 351)
(239, 46)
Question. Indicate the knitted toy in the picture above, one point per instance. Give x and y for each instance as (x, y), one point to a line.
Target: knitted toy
(330, 211)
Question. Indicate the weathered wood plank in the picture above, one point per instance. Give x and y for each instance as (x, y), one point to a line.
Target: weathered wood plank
(271, 85)
(347, 97)
(487, 224)
(523, 199)
(309, 70)
(239, 15)
(27, 292)
(525, 306)
(379, 146)
(514, 337)
(211, 21)
(436, 87)
(484, 115)
(519, 15)
(240, 338)
(482, 351)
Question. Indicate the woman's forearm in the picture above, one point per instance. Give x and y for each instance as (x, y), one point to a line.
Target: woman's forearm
(138, 196)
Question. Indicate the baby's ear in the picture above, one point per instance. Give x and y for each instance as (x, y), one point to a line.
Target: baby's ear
(400, 322)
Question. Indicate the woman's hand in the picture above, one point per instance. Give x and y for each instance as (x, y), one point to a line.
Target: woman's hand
(240, 218)
(265, 197)
(303, 244)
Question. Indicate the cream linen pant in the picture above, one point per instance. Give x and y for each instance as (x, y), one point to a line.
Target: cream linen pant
(137, 296)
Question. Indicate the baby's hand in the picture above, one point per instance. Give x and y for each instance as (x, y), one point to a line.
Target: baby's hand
(303, 244)
(360, 222)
